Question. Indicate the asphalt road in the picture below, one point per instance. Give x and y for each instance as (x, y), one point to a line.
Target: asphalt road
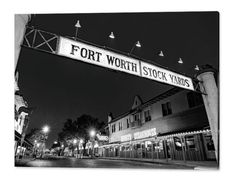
(97, 163)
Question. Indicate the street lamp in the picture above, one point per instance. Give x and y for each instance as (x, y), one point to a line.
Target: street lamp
(76, 145)
(137, 44)
(112, 36)
(180, 61)
(45, 130)
(77, 26)
(161, 54)
(92, 137)
(92, 133)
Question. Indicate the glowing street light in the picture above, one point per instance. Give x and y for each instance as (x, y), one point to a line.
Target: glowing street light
(92, 133)
(74, 141)
(81, 141)
(45, 129)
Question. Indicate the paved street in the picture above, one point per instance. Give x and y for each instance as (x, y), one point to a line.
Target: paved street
(97, 163)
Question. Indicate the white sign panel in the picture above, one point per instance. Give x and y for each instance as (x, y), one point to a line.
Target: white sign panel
(97, 56)
(102, 138)
(162, 75)
(145, 134)
(101, 57)
(125, 138)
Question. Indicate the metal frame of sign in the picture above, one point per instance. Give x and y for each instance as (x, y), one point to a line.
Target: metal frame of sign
(99, 56)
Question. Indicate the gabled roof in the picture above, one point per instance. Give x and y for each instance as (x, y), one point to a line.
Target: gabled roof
(160, 97)
(137, 102)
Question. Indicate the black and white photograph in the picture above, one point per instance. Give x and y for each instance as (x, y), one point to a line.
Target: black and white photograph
(120, 90)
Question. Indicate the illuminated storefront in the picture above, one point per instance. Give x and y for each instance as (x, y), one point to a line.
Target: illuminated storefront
(171, 126)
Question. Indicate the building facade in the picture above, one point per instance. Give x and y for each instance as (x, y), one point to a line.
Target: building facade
(172, 125)
(21, 123)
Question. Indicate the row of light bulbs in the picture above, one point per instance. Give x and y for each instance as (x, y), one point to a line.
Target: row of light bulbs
(138, 44)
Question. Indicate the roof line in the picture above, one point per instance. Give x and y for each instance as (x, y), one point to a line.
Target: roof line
(159, 97)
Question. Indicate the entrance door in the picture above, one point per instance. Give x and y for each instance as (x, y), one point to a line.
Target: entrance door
(193, 148)
(168, 148)
(209, 147)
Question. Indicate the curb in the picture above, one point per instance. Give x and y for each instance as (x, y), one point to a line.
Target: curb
(198, 167)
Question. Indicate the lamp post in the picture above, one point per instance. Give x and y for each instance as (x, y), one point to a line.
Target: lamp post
(92, 138)
(76, 145)
(45, 131)
(62, 146)
(77, 26)
(81, 148)
(34, 149)
(137, 44)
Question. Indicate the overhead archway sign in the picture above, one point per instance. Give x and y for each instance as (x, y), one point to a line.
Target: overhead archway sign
(101, 57)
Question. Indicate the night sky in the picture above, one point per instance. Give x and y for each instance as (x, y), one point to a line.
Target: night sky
(62, 88)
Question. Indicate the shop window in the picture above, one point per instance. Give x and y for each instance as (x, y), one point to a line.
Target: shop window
(160, 146)
(166, 109)
(178, 144)
(138, 146)
(209, 143)
(147, 115)
(190, 142)
(194, 99)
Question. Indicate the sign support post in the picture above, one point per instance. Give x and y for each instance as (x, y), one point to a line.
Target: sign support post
(208, 85)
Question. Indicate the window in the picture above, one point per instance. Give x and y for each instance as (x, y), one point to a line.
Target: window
(147, 115)
(194, 99)
(209, 143)
(113, 128)
(178, 144)
(120, 126)
(136, 117)
(190, 142)
(127, 122)
(166, 109)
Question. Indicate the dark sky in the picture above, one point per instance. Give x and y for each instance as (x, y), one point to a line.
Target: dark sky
(62, 88)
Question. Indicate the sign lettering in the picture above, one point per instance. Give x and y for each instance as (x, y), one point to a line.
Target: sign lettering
(105, 58)
(145, 133)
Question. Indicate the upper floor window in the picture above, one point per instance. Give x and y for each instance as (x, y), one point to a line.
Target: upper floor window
(166, 109)
(113, 128)
(120, 126)
(194, 99)
(136, 117)
(147, 115)
(127, 122)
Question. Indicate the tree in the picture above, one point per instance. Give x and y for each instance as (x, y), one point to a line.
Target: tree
(79, 129)
(35, 134)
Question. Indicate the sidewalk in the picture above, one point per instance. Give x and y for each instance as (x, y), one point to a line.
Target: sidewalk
(198, 165)
(23, 161)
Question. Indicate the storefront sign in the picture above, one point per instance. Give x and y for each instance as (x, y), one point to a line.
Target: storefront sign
(102, 138)
(108, 59)
(145, 134)
(125, 138)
